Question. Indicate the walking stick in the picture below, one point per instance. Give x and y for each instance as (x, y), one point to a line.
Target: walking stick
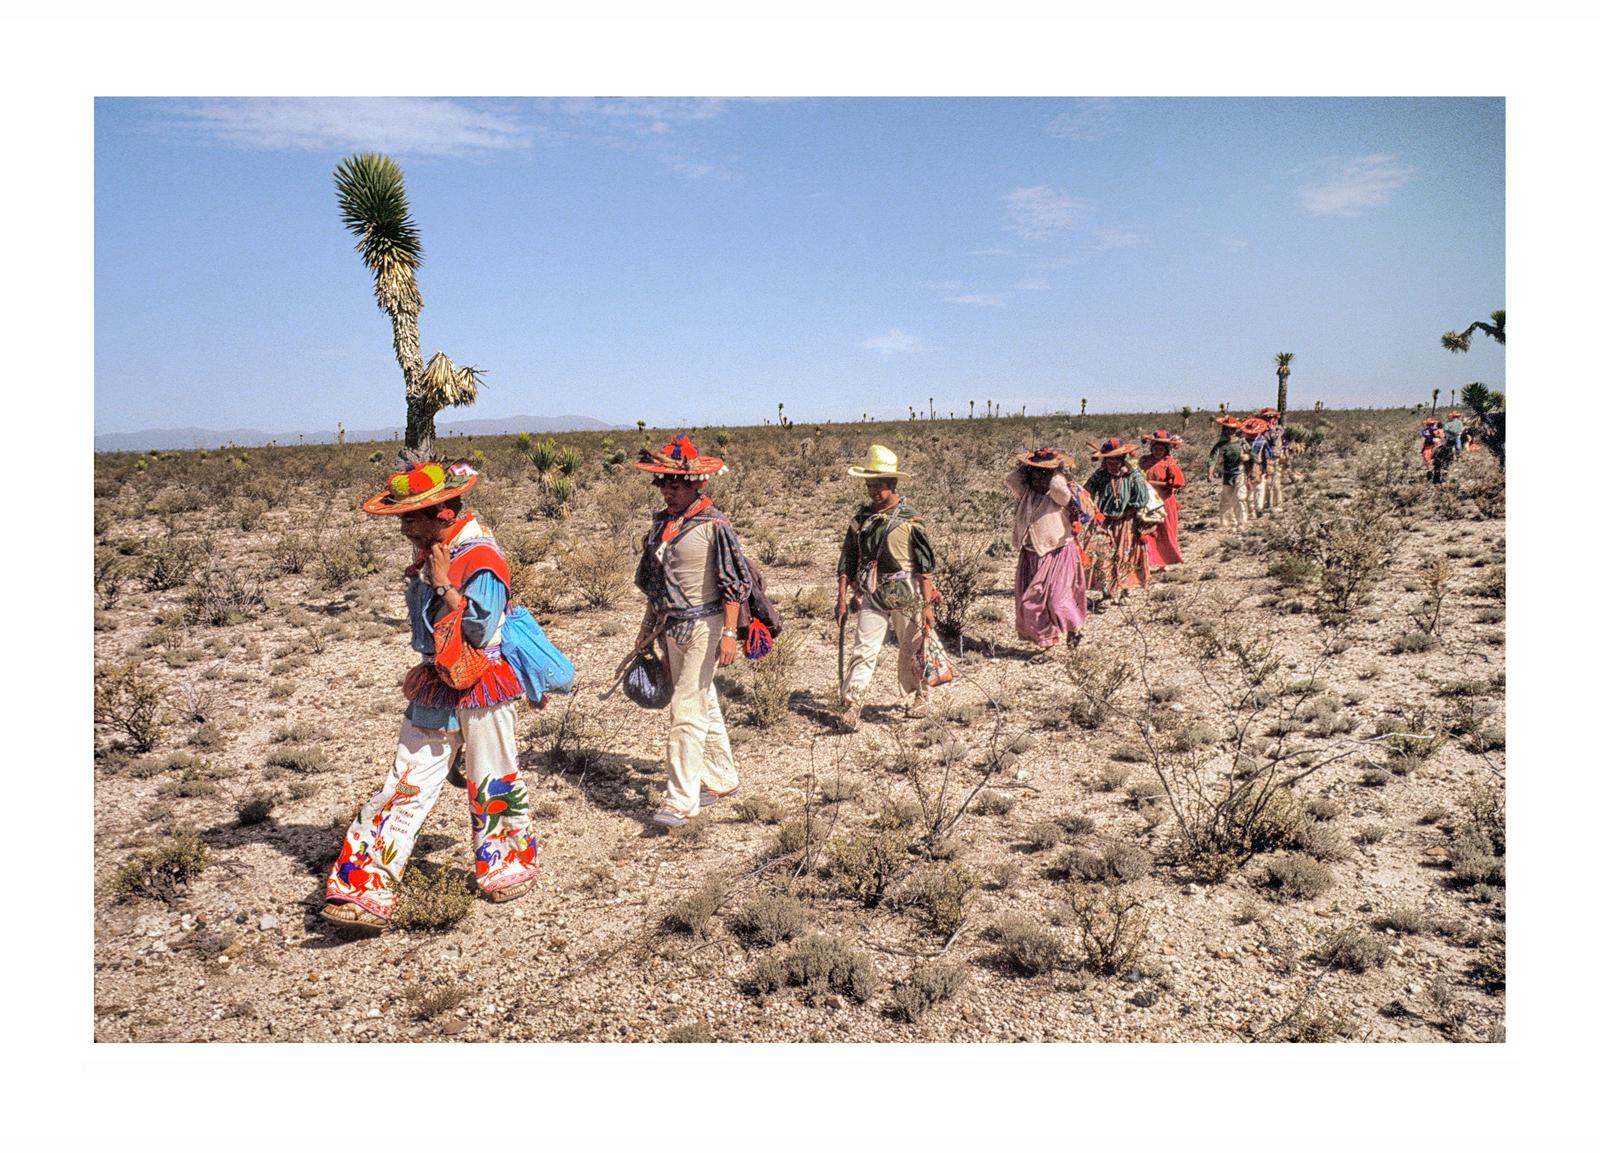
(842, 621)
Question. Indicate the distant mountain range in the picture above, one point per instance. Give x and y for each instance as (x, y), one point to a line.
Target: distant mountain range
(189, 438)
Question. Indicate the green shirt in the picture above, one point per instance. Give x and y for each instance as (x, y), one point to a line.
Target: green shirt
(894, 538)
(1231, 456)
(1118, 496)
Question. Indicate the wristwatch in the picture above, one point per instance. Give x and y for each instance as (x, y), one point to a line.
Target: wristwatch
(440, 590)
(731, 634)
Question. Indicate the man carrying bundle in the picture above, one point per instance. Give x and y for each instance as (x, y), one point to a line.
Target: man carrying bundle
(885, 568)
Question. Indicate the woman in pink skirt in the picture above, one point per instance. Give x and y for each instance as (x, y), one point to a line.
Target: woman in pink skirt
(1161, 469)
(1051, 587)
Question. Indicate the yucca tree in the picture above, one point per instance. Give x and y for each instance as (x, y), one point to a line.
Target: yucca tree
(1284, 359)
(372, 204)
(1461, 341)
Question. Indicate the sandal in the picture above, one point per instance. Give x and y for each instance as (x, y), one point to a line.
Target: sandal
(510, 892)
(353, 916)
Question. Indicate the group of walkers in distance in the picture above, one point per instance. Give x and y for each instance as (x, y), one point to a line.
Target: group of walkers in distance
(1080, 547)
(1443, 442)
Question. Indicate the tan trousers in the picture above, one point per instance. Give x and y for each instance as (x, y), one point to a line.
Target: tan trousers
(698, 752)
(1272, 485)
(872, 628)
(1235, 511)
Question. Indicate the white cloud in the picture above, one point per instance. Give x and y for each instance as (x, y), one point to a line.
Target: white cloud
(1040, 212)
(1087, 118)
(655, 117)
(982, 299)
(414, 126)
(1351, 185)
(1033, 284)
(892, 343)
(990, 252)
(1117, 236)
(698, 169)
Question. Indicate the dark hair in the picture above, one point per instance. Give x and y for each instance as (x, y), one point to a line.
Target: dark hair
(888, 481)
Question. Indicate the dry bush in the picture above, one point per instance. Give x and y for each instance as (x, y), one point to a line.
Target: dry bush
(600, 570)
(224, 596)
(943, 892)
(1111, 927)
(926, 986)
(1025, 945)
(163, 871)
(128, 700)
(430, 1001)
(432, 903)
(1098, 678)
(1299, 876)
(1356, 950)
(169, 561)
(690, 1033)
(866, 863)
(257, 808)
(770, 919)
(345, 561)
(963, 574)
(816, 964)
(770, 682)
(692, 914)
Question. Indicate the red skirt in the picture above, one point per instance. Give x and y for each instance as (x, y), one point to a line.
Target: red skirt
(498, 684)
(1120, 561)
(1162, 545)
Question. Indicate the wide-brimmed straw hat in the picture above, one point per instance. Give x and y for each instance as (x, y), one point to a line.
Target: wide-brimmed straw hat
(1254, 426)
(1047, 458)
(1114, 448)
(1226, 422)
(422, 486)
(1162, 436)
(881, 463)
(679, 457)
(1266, 412)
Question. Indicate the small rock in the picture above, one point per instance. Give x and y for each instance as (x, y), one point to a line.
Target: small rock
(833, 1001)
(1191, 889)
(1414, 988)
(453, 1026)
(268, 921)
(374, 1012)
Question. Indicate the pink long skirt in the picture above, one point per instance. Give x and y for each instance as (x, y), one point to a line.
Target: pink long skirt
(1052, 594)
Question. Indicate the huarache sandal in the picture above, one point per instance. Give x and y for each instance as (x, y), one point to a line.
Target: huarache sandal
(353, 916)
(510, 892)
(709, 798)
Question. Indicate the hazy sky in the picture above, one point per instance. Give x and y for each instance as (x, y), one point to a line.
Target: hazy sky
(698, 261)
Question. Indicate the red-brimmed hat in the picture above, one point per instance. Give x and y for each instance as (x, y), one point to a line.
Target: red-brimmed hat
(1254, 426)
(678, 457)
(1266, 412)
(1045, 458)
(1162, 436)
(1228, 422)
(422, 486)
(1112, 448)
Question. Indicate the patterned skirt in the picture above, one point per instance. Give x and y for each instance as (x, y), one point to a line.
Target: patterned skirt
(498, 684)
(1120, 560)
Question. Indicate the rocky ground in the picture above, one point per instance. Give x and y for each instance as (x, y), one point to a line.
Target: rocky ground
(1385, 920)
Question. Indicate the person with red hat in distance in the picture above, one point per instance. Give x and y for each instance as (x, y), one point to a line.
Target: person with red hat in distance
(1254, 431)
(462, 698)
(1162, 473)
(1051, 587)
(1120, 492)
(1273, 461)
(694, 576)
(1229, 457)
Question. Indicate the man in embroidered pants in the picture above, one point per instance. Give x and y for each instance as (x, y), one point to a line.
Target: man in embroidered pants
(886, 568)
(458, 580)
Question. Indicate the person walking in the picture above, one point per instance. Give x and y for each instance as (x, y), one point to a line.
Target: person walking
(1228, 460)
(694, 576)
(1274, 460)
(1161, 472)
(885, 574)
(1120, 492)
(1051, 586)
(462, 698)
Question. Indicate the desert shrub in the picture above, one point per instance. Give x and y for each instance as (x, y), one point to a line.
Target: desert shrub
(248, 513)
(257, 808)
(963, 571)
(1041, 835)
(128, 701)
(1112, 777)
(814, 601)
(224, 596)
(342, 562)
(770, 919)
(430, 1001)
(1076, 824)
(770, 681)
(1299, 876)
(293, 551)
(817, 964)
(1025, 945)
(1125, 863)
(993, 804)
(1370, 834)
(1351, 551)
(1292, 571)
(943, 892)
(1323, 841)
(1403, 919)
(432, 903)
(758, 810)
(690, 1032)
(1111, 927)
(866, 863)
(1356, 950)
(1474, 860)
(692, 914)
(1098, 678)
(926, 986)
(599, 569)
(170, 561)
(1322, 808)
(162, 871)
(299, 758)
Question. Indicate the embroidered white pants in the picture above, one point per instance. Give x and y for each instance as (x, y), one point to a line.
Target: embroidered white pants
(698, 753)
(872, 629)
(379, 842)
(1234, 510)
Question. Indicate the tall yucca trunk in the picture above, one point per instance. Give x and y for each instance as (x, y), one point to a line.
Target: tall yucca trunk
(1283, 390)
(420, 409)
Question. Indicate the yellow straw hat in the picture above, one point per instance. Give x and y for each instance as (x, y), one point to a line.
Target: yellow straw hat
(880, 463)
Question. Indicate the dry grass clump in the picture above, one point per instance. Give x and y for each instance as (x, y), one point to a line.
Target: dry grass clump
(1299, 876)
(692, 914)
(224, 596)
(690, 1033)
(1356, 950)
(257, 808)
(1025, 945)
(770, 919)
(430, 1001)
(600, 570)
(769, 682)
(1403, 919)
(299, 758)
(758, 810)
(1323, 841)
(925, 986)
(162, 871)
(816, 964)
(1119, 864)
(943, 892)
(432, 903)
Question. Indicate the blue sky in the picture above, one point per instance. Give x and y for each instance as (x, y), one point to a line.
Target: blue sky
(694, 262)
